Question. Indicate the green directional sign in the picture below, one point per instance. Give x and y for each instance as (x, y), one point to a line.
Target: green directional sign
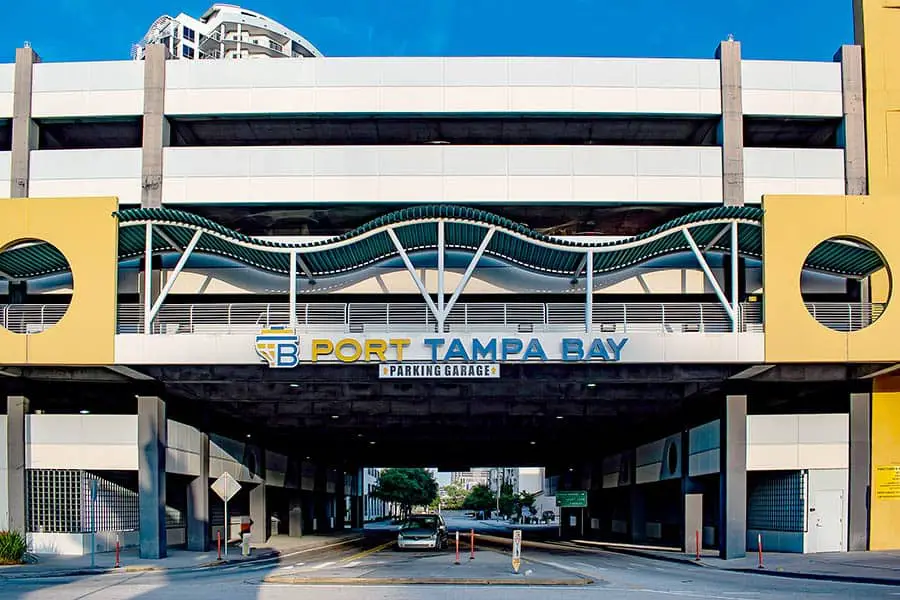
(571, 499)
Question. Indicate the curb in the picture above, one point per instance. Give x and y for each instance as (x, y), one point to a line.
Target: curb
(291, 580)
(894, 582)
(86, 571)
(767, 571)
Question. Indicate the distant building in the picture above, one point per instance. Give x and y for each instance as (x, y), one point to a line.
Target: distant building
(534, 481)
(470, 479)
(373, 508)
(224, 31)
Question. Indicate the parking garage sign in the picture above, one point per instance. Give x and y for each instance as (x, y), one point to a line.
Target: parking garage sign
(439, 371)
(466, 355)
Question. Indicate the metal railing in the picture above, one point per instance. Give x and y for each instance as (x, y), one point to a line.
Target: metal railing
(670, 317)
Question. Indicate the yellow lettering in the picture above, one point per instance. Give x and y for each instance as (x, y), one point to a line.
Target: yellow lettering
(399, 344)
(376, 347)
(321, 348)
(357, 350)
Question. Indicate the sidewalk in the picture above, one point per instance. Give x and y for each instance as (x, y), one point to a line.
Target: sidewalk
(880, 567)
(177, 559)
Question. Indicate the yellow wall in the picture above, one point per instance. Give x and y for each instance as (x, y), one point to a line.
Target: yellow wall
(878, 31)
(86, 232)
(885, 505)
(792, 334)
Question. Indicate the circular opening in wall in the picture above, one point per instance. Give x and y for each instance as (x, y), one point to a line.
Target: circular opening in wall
(672, 458)
(35, 286)
(845, 284)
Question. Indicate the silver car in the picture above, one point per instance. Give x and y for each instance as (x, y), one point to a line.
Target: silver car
(427, 532)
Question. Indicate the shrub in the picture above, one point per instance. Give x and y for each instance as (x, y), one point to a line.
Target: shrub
(12, 547)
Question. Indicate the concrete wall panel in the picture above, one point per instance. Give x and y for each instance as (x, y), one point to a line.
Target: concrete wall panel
(444, 85)
(442, 173)
(88, 89)
(792, 88)
(797, 442)
(94, 172)
(7, 80)
(792, 171)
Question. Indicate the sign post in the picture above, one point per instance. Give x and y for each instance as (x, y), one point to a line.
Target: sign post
(225, 488)
(517, 550)
(571, 499)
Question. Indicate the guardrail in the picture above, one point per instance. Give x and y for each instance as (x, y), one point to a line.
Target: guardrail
(681, 317)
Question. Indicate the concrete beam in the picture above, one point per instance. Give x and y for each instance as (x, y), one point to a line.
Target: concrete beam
(731, 134)
(152, 476)
(24, 130)
(859, 461)
(156, 128)
(16, 409)
(853, 128)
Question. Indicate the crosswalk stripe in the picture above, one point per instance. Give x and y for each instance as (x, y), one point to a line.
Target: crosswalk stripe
(323, 565)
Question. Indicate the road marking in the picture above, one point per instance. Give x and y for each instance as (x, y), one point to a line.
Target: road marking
(368, 552)
(350, 565)
(591, 566)
(322, 565)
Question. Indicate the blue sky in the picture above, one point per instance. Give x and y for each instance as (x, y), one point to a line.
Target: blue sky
(786, 29)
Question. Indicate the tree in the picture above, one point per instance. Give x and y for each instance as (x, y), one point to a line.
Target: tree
(525, 500)
(480, 498)
(407, 488)
(507, 504)
(454, 496)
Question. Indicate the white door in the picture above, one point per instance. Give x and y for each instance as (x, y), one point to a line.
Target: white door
(827, 521)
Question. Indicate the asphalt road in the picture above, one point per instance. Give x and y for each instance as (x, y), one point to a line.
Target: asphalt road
(618, 577)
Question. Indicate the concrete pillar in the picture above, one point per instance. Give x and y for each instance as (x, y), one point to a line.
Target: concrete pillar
(731, 131)
(16, 409)
(198, 532)
(295, 514)
(152, 476)
(733, 479)
(156, 129)
(853, 128)
(860, 468)
(693, 522)
(24, 130)
(259, 514)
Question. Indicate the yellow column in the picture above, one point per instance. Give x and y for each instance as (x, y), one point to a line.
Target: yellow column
(884, 512)
(877, 24)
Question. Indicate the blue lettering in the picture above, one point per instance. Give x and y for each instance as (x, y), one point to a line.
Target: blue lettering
(598, 350)
(510, 346)
(434, 344)
(486, 352)
(534, 350)
(572, 349)
(617, 347)
(286, 356)
(456, 350)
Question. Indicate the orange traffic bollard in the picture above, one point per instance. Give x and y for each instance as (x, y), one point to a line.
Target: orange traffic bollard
(471, 544)
(218, 545)
(698, 545)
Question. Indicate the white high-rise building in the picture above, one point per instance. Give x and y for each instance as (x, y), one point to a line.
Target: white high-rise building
(225, 31)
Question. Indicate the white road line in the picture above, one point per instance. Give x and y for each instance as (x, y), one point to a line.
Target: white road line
(581, 564)
(350, 565)
(322, 565)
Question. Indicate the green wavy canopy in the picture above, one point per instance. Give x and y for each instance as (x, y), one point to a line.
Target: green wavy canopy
(464, 230)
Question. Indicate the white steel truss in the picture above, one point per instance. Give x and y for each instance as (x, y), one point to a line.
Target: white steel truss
(441, 310)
